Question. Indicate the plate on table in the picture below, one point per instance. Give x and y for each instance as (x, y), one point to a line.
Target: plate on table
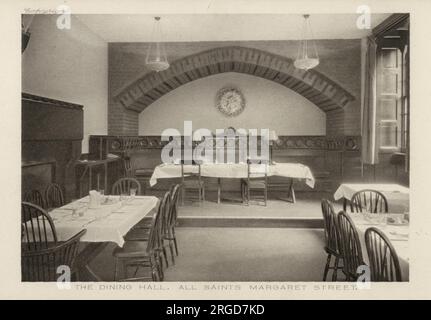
(109, 201)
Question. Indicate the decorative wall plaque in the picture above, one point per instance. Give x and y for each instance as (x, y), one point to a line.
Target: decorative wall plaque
(230, 101)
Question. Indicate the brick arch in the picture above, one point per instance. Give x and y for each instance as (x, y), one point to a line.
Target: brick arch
(319, 89)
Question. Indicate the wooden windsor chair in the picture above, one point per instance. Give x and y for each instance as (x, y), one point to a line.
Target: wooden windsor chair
(384, 263)
(42, 265)
(124, 185)
(133, 254)
(370, 201)
(37, 228)
(349, 246)
(54, 197)
(331, 242)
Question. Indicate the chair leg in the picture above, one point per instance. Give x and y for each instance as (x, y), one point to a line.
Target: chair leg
(159, 264)
(171, 248)
(165, 255)
(176, 245)
(116, 270)
(328, 262)
(242, 191)
(334, 274)
(124, 270)
(248, 195)
(218, 190)
(183, 194)
(175, 240)
(136, 271)
(154, 269)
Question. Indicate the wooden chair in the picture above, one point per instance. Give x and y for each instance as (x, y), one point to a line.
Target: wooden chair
(132, 255)
(349, 246)
(129, 171)
(37, 228)
(169, 232)
(41, 265)
(123, 185)
(384, 263)
(54, 196)
(35, 197)
(192, 181)
(140, 231)
(331, 235)
(257, 179)
(370, 201)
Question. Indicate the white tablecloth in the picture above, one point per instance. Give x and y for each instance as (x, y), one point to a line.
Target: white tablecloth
(397, 195)
(109, 223)
(396, 234)
(234, 170)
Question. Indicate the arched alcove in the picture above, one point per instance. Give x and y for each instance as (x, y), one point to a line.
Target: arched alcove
(135, 97)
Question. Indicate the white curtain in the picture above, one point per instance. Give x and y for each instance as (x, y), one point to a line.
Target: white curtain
(369, 106)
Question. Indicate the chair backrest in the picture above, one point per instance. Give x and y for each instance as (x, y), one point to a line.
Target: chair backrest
(41, 265)
(257, 169)
(349, 245)
(128, 167)
(175, 191)
(35, 197)
(155, 237)
(330, 226)
(371, 201)
(54, 196)
(37, 227)
(124, 185)
(384, 263)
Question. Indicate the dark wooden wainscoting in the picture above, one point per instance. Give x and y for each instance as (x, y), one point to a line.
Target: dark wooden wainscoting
(331, 159)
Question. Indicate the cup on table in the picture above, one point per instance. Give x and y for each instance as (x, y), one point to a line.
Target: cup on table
(124, 196)
(75, 213)
(133, 193)
(102, 195)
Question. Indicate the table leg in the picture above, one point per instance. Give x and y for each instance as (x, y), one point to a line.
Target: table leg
(106, 178)
(90, 177)
(218, 190)
(82, 262)
(291, 197)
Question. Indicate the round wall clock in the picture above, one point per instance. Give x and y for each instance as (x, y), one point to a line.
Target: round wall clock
(230, 101)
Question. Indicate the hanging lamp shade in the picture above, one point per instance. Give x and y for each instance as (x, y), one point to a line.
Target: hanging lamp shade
(156, 59)
(307, 57)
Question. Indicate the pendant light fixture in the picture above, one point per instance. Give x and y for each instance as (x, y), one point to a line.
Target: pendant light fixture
(156, 59)
(307, 57)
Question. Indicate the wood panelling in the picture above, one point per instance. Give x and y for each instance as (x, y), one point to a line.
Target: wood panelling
(52, 132)
(325, 156)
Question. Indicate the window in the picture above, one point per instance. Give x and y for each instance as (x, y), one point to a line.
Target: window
(392, 92)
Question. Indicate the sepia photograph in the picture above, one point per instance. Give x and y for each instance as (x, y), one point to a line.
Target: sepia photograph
(215, 150)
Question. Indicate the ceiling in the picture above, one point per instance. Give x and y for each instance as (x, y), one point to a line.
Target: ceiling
(225, 27)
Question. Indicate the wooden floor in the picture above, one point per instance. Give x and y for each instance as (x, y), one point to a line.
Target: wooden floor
(239, 254)
(307, 206)
(237, 251)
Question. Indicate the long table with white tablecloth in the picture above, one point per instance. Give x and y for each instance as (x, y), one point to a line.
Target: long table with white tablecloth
(107, 223)
(397, 234)
(234, 170)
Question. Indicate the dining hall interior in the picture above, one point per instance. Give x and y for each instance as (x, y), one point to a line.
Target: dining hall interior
(113, 182)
